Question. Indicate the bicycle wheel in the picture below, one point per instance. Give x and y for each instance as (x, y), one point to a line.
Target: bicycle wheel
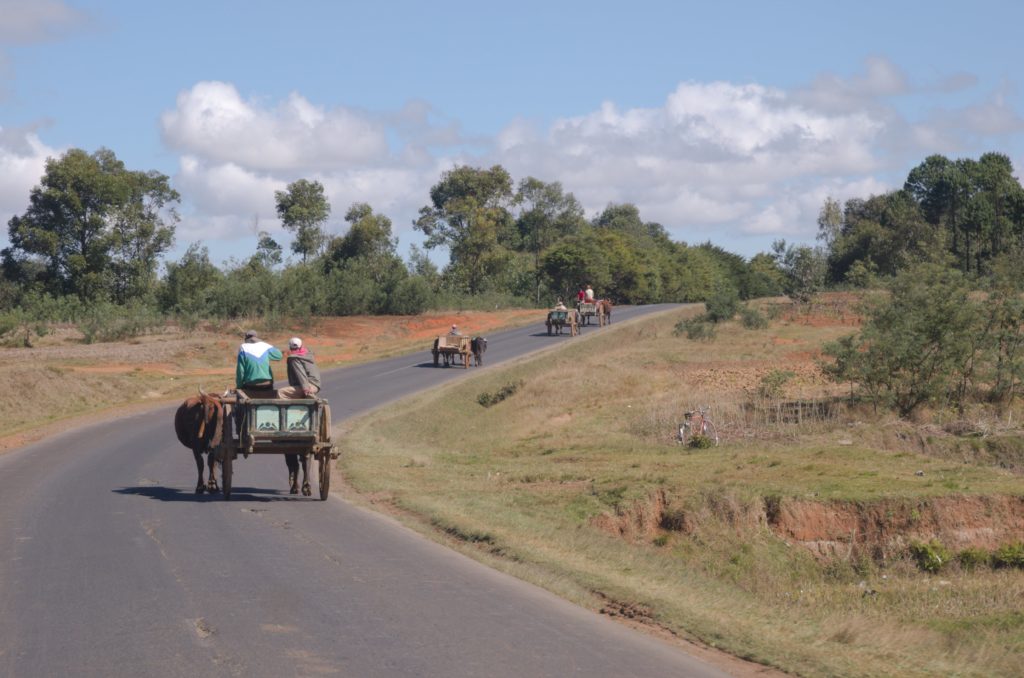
(708, 429)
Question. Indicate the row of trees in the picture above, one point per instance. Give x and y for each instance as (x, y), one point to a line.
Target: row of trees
(965, 213)
(96, 232)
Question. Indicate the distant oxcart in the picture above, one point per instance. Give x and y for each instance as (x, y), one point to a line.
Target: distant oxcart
(601, 309)
(451, 349)
(561, 319)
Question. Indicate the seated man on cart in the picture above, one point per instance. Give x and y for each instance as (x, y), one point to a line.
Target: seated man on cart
(303, 374)
(253, 374)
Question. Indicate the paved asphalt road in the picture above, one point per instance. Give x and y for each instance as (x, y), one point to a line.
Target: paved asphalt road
(111, 566)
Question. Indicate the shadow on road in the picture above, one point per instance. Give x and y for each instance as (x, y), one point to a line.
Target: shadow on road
(238, 494)
(433, 366)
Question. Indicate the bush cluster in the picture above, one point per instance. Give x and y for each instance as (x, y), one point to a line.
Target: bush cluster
(700, 442)
(699, 328)
(753, 319)
(773, 384)
(932, 341)
(507, 391)
(933, 556)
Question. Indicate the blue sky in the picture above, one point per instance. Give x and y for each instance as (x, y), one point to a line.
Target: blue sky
(727, 121)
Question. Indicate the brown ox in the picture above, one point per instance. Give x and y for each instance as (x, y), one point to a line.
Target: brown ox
(199, 424)
(604, 307)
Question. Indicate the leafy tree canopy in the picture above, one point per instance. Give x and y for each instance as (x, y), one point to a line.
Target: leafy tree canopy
(97, 228)
(303, 209)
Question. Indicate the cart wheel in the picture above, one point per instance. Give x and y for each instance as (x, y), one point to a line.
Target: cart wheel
(325, 424)
(325, 457)
(225, 474)
(325, 475)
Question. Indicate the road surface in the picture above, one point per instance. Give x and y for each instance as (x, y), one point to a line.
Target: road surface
(111, 566)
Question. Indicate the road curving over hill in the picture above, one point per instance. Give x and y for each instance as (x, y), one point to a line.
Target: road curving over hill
(111, 566)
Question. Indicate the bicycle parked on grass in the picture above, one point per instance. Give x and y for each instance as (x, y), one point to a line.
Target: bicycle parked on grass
(695, 423)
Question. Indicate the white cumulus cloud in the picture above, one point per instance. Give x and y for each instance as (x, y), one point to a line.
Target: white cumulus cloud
(22, 163)
(212, 120)
(732, 162)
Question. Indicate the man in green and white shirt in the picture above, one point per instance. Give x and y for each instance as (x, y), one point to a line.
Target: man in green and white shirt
(252, 371)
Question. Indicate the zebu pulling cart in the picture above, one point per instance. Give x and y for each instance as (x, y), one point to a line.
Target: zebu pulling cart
(277, 426)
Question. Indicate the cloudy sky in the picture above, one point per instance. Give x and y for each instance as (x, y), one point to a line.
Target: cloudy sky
(727, 121)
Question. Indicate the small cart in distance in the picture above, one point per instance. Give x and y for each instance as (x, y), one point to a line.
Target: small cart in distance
(591, 309)
(452, 347)
(278, 426)
(558, 320)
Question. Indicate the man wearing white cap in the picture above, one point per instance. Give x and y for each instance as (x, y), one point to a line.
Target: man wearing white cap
(303, 374)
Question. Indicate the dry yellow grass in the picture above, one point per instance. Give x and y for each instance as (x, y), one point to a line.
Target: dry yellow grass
(45, 387)
(586, 439)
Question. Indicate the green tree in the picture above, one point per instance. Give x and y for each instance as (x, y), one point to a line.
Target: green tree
(830, 222)
(141, 230)
(369, 235)
(763, 279)
(700, 272)
(883, 235)
(978, 205)
(804, 269)
(268, 252)
(547, 213)
(190, 283)
(98, 228)
(574, 261)
(303, 209)
(421, 265)
(918, 345)
(469, 214)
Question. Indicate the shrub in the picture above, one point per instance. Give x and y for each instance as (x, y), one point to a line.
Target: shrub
(723, 303)
(411, 296)
(696, 329)
(930, 557)
(773, 384)
(700, 442)
(917, 346)
(508, 390)
(9, 322)
(753, 319)
(972, 558)
(104, 322)
(1011, 555)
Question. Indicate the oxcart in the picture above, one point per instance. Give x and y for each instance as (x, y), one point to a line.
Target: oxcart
(560, 319)
(452, 348)
(590, 309)
(277, 426)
